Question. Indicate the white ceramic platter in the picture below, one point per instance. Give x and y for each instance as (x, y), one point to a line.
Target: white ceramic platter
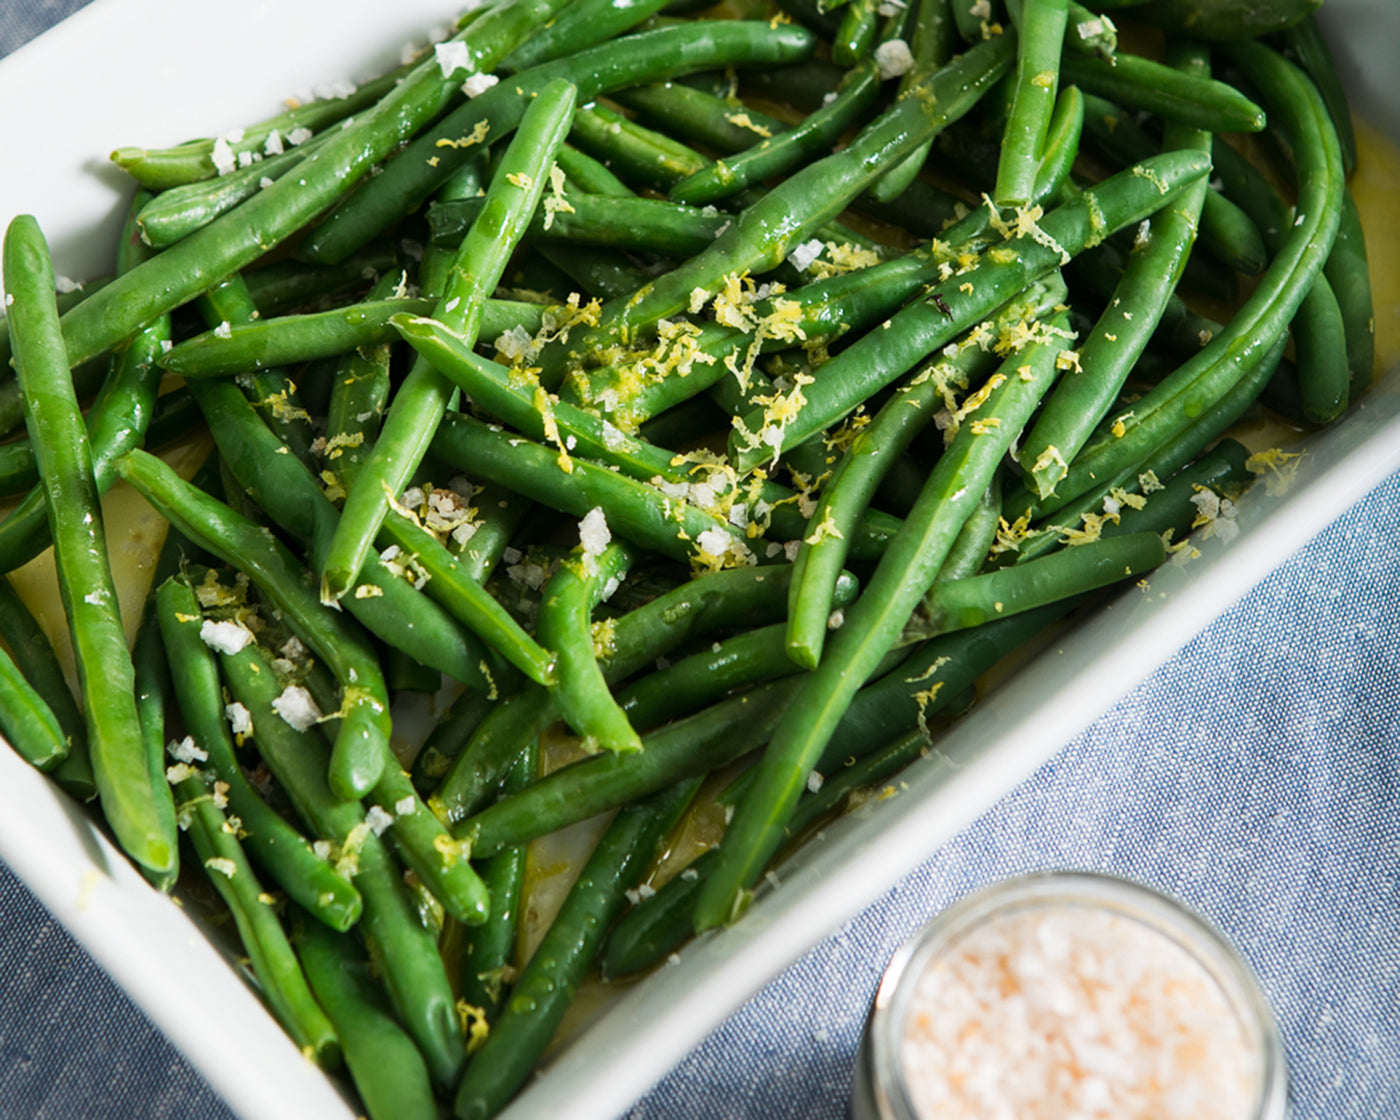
(160, 71)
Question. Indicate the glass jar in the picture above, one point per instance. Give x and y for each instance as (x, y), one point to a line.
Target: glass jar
(1017, 989)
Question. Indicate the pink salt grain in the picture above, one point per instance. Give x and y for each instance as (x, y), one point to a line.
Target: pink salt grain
(1077, 1014)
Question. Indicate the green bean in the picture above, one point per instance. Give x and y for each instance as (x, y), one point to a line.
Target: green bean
(1349, 276)
(488, 949)
(873, 450)
(285, 285)
(1121, 333)
(721, 124)
(422, 399)
(565, 623)
(1320, 349)
(959, 604)
(855, 37)
(179, 211)
(855, 98)
(287, 340)
(1304, 44)
(954, 305)
(978, 535)
(705, 605)
(623, 223)
(871, 626)
(1172, 457)
(1041, 33)
(164, 168)
(764, 234)
(362, 743)
(673, 529)
(1139, 83)
(978, 21)
(1227, 231)
(578, 27)
(1226, 22)
(29, 724)
(116, 421)
(446, 740)
(933, 44)
(130, 802)
(33, 654)
(707, 677)
(282, 852)
(359, 394)
(641, 157)
(389, 1072)
(1200, 382)
(646, 56)
(286, 491)
(238, 238)
(402, 947)
(280, 979)
(451, 583)
(1091, 32)
(547, 985)
(684, 749)
(588, 174)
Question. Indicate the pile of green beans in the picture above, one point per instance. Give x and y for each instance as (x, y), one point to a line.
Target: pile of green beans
(686, 410)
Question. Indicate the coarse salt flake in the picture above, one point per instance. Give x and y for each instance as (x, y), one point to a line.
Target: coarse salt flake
(240, 720)
(222, 157)
(186, 751)
(297, 708)
(452, 56)
(378, 820)
(224, 637)
(593, 532)
(894, 58)
(478, 84)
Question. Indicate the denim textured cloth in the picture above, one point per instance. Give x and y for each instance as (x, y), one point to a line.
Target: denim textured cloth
(1254, 777)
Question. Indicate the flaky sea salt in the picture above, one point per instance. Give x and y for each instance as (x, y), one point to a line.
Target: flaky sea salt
(1073, 1013)
(297, 708)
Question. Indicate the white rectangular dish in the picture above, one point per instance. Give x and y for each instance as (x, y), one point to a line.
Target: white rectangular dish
(161, 71)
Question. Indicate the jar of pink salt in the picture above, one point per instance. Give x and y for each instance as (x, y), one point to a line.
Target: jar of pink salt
(1069, 997)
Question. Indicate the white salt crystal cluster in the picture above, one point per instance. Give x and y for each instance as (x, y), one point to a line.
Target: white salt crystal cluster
(1072, 1013)
(296, 706)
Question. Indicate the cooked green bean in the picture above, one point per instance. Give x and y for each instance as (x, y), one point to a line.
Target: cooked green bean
(283, 853)
(362, 743)
(286, 340)
(871, 626)
(244, 234)
(421, 401)
(565, 623)
(547, 985)
(488, 949)
(131, 803)
(960, 301)
(402, 947)
(280, 978)
(389, 1072)
(1041, 31)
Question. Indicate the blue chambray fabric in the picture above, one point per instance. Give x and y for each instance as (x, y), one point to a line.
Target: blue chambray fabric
(1254, 777)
